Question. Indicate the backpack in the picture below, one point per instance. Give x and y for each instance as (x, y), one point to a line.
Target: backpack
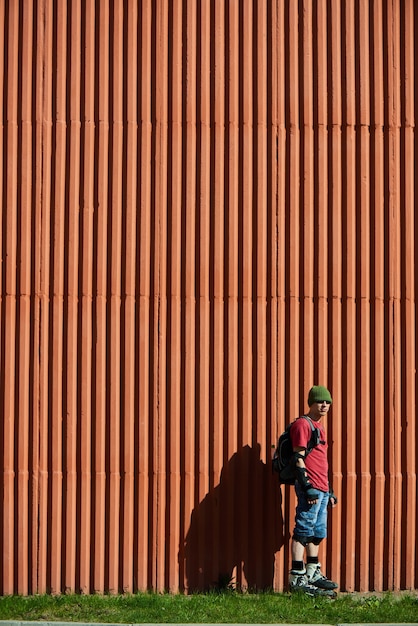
(281, 461)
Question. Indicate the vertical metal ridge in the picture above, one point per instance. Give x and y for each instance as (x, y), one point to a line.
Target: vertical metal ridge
(129, 244)
(216, 235)
(336, 280)
(349, 377)
(41, 287)
(247, 251)
(378, 270)
(25, 322)
(364, 261)
(58, 115)
(72, 246)
(292, 209)
(408, 336)
(196, 535)
(276, 239)
(144, 306)
(320, 171)
(393, 290)
(258, 510)
(3, 195)
(174, 549)
(9, 233)
(102, 222)
(159, 306)
(310, 228)
(85, 336)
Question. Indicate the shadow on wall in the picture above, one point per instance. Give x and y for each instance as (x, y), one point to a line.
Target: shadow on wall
(236, 529)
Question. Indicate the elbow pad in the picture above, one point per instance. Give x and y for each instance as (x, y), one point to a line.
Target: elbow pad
(302, 478)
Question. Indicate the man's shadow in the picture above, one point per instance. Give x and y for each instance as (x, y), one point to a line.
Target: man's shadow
(236, 529)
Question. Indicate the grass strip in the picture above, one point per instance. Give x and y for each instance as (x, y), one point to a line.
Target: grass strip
(228, 607)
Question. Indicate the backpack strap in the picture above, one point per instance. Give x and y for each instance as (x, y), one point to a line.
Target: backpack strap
(314, 440)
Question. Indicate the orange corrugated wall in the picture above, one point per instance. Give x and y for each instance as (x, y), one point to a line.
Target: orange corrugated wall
(206, 207)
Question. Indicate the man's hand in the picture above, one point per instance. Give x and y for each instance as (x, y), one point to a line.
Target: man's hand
(312, 495)
(332, 500)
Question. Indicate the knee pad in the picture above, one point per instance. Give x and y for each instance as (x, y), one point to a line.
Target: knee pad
(302, 540)
(316, 540)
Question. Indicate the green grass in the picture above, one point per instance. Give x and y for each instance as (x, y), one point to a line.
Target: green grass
(228, 607)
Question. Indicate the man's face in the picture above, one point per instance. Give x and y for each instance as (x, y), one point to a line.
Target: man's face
(319, 409)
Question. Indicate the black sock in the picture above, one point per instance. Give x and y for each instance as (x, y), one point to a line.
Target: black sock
(313, 559)
(298, 566)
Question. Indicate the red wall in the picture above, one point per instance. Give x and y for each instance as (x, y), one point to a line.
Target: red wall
(206, 207)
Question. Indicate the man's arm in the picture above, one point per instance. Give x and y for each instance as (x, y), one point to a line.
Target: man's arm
(302, 476)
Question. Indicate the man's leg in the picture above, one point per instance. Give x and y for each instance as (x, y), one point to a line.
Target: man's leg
(298, 580)
(298, 550)
(313, 566)
(312, 561)
(312, 550)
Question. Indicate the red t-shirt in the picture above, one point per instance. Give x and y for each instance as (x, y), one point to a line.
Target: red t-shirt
(317, 460)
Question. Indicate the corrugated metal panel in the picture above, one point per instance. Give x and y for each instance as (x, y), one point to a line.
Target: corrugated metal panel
(206, 207)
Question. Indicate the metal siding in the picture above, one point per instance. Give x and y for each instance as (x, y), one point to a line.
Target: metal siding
(206, 207)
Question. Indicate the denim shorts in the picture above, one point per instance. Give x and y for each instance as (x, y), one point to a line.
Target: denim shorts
(311, 519)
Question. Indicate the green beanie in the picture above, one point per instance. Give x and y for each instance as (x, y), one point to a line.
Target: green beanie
(318, 393)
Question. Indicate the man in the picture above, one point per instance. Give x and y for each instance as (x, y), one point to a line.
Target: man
(313, 497)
